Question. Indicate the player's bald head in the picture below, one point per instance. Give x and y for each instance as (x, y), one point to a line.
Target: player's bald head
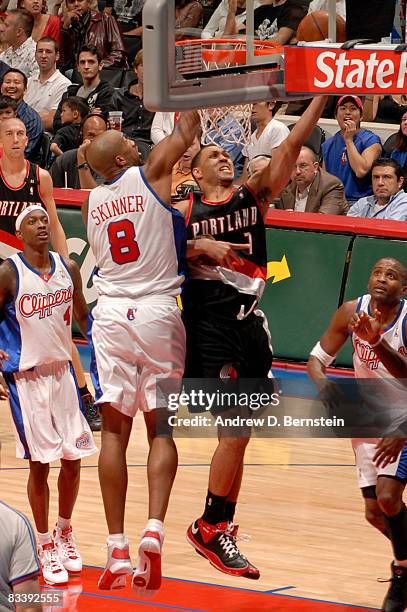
(11, 123)
(110, 153)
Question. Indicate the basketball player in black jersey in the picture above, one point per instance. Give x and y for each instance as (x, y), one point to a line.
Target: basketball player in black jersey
(226, 334)
(23, 183)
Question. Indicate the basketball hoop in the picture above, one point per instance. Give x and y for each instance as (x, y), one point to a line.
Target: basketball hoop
(227, 124)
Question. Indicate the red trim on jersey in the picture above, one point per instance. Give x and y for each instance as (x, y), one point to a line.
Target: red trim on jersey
(27, 173)
(230, 196)
(254, 194)
(11, 240)
(189, 211)
(248, 268)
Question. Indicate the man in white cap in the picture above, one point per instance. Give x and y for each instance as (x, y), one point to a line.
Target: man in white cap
(39, 289)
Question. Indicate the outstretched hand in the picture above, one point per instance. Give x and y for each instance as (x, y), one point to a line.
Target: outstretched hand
(387, 451)
(366, 327)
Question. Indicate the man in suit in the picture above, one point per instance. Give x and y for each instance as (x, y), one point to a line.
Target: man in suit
(312, 189)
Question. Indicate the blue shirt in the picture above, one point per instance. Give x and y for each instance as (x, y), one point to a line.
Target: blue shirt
(336, 162)
(33, 125)
(395, 209)
(399, 156)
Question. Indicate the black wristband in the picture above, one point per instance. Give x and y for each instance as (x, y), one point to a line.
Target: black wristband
(84, 166)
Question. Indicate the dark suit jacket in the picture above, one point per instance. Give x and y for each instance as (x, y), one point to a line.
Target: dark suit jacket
(326, 195)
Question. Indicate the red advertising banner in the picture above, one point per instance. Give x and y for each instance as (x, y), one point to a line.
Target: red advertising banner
(332, 70)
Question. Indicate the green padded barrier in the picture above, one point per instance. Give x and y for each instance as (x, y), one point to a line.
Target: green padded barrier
(365, 253)
(299, 307)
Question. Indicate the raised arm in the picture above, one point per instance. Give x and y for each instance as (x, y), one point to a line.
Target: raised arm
(269, 182)
(58, 237)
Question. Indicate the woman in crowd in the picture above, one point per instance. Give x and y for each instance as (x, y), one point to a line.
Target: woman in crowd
(396, 147)
(44, 24)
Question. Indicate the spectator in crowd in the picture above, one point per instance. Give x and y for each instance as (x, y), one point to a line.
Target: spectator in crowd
(385, 109)
(19, 563)
(8, 108)
(396, 147)
(162, 126)
(188, 14)
(74, 110)
(97, 93)
(14, 85)
(311, 189)
(227, 14)
(350, 153)
(257, 164)
(70, 169)
(388, 201)
(369, 19)
(44, 24)
(81, 26)
(182, 180)
(20, 54)
(137, 120)
(129, 17)
(269, 133)
(45, 90)
(278, 20)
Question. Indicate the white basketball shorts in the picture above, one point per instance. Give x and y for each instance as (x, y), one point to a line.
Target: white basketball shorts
(136, 344)
(47, 414)
(367, 471)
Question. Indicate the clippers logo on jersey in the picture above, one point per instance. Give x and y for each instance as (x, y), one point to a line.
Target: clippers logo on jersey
(84, 441)
(366, 354)
(30, 304)
(116, 208)
(245, 217)
(131, 314)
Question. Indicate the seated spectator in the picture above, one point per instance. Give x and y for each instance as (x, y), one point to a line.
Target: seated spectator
(369, 19)
(162, 126)
(350, 153)
(70, 169)
(44, 24)
(215, 27)
(137, 120)
(129, 17)
(269, 133)
(73, 112)
(396, 147)
(97, 93)
(278, 20)
(384, 109)
(20, 54)
(45, 90)
(311, 189)
(14, 85)
(388, 201)
(81, 26)
(188, 14)
(257, 164)
(182, 180)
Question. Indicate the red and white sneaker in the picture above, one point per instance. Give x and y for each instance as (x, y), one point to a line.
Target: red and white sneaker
(147, 575)
(218, 545)
(118, 567)
(53, 571)
(67, 550)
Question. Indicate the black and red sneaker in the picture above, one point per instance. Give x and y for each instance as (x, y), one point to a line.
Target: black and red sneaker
(396, 597)
(216, 544)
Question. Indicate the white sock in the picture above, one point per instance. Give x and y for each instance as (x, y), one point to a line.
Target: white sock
(63, 523)
(117, 538)
(155, 525)
(44, 538)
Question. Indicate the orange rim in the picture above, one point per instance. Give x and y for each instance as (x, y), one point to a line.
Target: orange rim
(231, 55)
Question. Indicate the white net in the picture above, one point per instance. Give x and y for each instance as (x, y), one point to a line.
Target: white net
(226, 125)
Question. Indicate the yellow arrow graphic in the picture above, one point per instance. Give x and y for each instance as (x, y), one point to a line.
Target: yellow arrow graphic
(278, 269)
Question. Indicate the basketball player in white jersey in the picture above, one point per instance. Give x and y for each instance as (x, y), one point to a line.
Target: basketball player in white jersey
(39, 291)
(138, 241)
(378, 323)
(23, 183)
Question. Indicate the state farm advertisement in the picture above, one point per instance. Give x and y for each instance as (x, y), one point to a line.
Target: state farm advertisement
(358, 71)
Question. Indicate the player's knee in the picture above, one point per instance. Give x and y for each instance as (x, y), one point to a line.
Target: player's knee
(389, 502)
(38, 473)
(71, 467)
(236, 445)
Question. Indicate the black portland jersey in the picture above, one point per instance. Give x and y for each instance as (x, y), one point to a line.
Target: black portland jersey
(229, 291)
(13, 200)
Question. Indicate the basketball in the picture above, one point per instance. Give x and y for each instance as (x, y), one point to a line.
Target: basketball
(314, 27)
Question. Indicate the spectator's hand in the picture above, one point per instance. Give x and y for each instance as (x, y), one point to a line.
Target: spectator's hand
(69, 17)
(108, 10)
(81, 152)
(350, 130)
(387, 451)
(97, 110)
(367, 328)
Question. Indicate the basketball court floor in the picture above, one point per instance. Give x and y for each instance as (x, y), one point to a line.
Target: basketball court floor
(300, 509)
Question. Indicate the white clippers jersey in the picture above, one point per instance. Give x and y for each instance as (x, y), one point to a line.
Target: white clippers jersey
(36, 325)
(138, 241)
